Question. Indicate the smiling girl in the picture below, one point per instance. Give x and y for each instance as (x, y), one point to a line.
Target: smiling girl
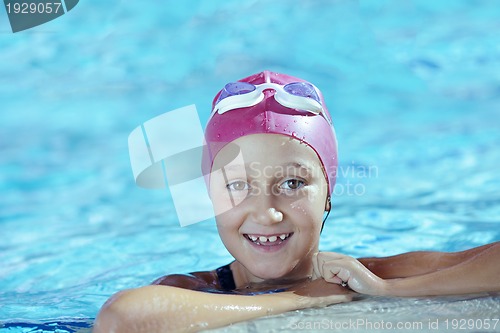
(270, 206)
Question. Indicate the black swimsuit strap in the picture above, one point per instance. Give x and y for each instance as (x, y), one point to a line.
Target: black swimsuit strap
(226, 279)
(227, 285)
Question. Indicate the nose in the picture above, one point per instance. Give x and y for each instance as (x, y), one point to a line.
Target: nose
(268, 216)
(264, 211)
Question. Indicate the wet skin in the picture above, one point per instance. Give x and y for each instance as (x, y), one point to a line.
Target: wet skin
(270, 206)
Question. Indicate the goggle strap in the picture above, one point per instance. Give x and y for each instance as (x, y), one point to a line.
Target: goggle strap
(256, 96)
(230, 103)
(299, 102)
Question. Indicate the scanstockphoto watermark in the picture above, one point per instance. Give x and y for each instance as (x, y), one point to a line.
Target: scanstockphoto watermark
(358, 324)
(426, 325)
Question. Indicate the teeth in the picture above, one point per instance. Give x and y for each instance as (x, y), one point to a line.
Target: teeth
(270, 239)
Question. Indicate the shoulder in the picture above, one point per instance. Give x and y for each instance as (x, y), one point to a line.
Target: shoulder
(193, 281)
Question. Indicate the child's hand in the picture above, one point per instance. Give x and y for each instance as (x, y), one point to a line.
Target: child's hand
(345, 270)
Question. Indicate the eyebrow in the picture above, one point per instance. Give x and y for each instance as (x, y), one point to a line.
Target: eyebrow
(233, 167)
(298, 165)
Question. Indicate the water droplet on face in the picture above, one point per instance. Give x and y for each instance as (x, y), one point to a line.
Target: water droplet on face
(294, 134)
(295, 120)
(276, 125)
(218, 136)
(241, 133)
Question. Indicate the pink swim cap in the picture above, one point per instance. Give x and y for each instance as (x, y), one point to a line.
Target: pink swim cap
(235, 117)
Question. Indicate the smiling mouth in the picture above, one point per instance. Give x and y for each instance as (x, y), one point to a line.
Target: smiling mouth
(268, 240)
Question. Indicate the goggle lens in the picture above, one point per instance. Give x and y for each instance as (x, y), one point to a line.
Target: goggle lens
(302, 89)
(235, 88)
(296, 95)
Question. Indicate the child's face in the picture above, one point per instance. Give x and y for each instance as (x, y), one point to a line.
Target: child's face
(276, 190)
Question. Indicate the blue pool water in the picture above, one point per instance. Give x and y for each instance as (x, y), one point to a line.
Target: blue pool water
(413, 88)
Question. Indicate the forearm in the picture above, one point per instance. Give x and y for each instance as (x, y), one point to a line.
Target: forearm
(161, 308)
(419, 263)
(479, 272)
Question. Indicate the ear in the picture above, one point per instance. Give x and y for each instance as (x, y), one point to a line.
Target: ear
(328, 204)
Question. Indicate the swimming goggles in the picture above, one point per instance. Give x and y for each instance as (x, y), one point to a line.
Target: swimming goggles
(295, 95)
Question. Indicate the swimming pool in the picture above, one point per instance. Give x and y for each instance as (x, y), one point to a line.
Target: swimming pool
(413, 87)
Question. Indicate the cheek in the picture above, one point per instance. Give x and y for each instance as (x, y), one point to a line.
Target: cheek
(305, 217)
(308, 217)
(221, 202)
(228, 229)
(225, 229)
(310, 206)
(226, 221)
(229, 223)
(227, 207)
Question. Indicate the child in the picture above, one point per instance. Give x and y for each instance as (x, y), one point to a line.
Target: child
(270, 205)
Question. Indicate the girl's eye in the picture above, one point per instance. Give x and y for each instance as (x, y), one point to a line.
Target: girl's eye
(292, 184)
(238, 185)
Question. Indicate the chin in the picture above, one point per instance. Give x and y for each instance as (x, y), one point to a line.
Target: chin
(269, 271)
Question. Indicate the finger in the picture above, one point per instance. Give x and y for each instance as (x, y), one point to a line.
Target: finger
(331, 271)
(322, 258)
(358, 277)
(334, 255)
(316, 271)
(338, 270)
(344, 274)
(334, 279)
